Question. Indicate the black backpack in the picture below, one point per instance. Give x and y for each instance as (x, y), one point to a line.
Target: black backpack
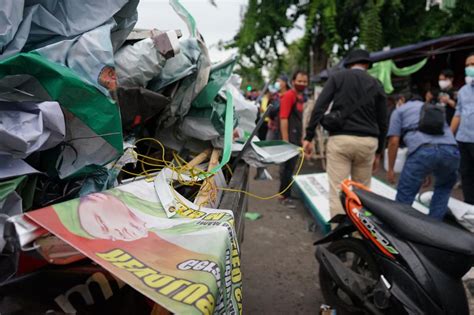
(432, 119)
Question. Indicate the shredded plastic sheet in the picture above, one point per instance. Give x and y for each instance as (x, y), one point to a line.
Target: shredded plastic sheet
(82, 35)
(27, 127)
(11, 167)
(10, 204)
(246, 111)
(62, 54)
(93, 127)
(137, 64)
(189, 87)
(229, 120)
(263, 153)
(463, 212)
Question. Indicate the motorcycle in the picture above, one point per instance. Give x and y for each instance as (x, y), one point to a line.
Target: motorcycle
(385, 257)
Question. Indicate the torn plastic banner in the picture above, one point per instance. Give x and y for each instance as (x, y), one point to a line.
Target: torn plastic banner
(245, 110)
(463, 212)
(207, 123)
(10, 205)
(10, 167)
(32, 24)
(208, 110)
(229, 130)
(167, 246)
(190, 86)
(171, 200)
(178, 67)
(263, 153)
(138, 104)
(169, 137)
(219, 75)
(93, 126)
(83, 35)
(27, 127)
(138, 63)
(186, 17)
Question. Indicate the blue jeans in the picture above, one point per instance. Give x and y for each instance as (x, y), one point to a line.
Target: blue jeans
(441, 160)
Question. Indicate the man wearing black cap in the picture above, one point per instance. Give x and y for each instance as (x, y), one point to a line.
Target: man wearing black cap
(357, 139)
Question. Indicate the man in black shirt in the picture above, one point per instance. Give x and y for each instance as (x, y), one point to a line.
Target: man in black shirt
(355, 148)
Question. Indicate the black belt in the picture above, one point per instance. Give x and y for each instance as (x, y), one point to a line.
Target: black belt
(436, 145)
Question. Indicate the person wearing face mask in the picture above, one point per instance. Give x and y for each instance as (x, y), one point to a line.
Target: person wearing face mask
(447, 94)
(266, 99)
(281, 86)
(463, 126)
(354, 148)
(291, 127)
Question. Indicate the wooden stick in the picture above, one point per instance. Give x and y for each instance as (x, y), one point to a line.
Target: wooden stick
(208, 188)
(216, 153)
(201, 157)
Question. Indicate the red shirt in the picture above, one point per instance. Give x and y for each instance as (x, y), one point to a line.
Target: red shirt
(287, 102)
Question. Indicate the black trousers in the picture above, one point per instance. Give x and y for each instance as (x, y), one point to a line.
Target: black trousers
(262, 132)
(467, 171)
(286, 175)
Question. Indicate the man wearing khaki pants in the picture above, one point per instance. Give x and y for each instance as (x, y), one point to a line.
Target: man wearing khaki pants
(354, 148)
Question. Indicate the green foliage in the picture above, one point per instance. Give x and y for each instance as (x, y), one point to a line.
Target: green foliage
(341, 23)
(264, 26)
(306, 42)
(371, 33)
(328, 24)
(462, 20)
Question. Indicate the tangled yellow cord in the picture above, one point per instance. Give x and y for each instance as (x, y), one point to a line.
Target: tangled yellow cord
(300, 166)
(194, 172)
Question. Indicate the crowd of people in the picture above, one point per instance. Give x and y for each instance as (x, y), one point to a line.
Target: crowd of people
(436, 127)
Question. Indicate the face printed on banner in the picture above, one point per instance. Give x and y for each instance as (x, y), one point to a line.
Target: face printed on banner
(106, 217)
(108, 79)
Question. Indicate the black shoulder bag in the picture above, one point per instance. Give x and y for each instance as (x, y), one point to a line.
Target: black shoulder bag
(431, 122)
(432, 119)
(335, 119)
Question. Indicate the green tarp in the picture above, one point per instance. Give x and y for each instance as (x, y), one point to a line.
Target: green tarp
(383, 71)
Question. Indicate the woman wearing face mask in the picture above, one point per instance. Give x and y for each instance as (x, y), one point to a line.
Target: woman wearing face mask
(447, 94)
(291, 127)
(463, 126)
(281, 86)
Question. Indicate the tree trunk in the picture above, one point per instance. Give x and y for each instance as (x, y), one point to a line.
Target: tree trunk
(319, 56)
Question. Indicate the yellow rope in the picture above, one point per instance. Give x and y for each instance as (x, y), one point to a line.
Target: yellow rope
(300, 166)
(193, 172)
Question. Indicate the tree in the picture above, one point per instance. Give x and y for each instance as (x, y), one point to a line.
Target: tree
(264, 26)
(341, 24)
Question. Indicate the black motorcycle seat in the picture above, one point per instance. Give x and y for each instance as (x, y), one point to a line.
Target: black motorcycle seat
(416, 226)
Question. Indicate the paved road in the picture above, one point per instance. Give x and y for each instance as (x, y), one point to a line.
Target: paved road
(279, 267)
